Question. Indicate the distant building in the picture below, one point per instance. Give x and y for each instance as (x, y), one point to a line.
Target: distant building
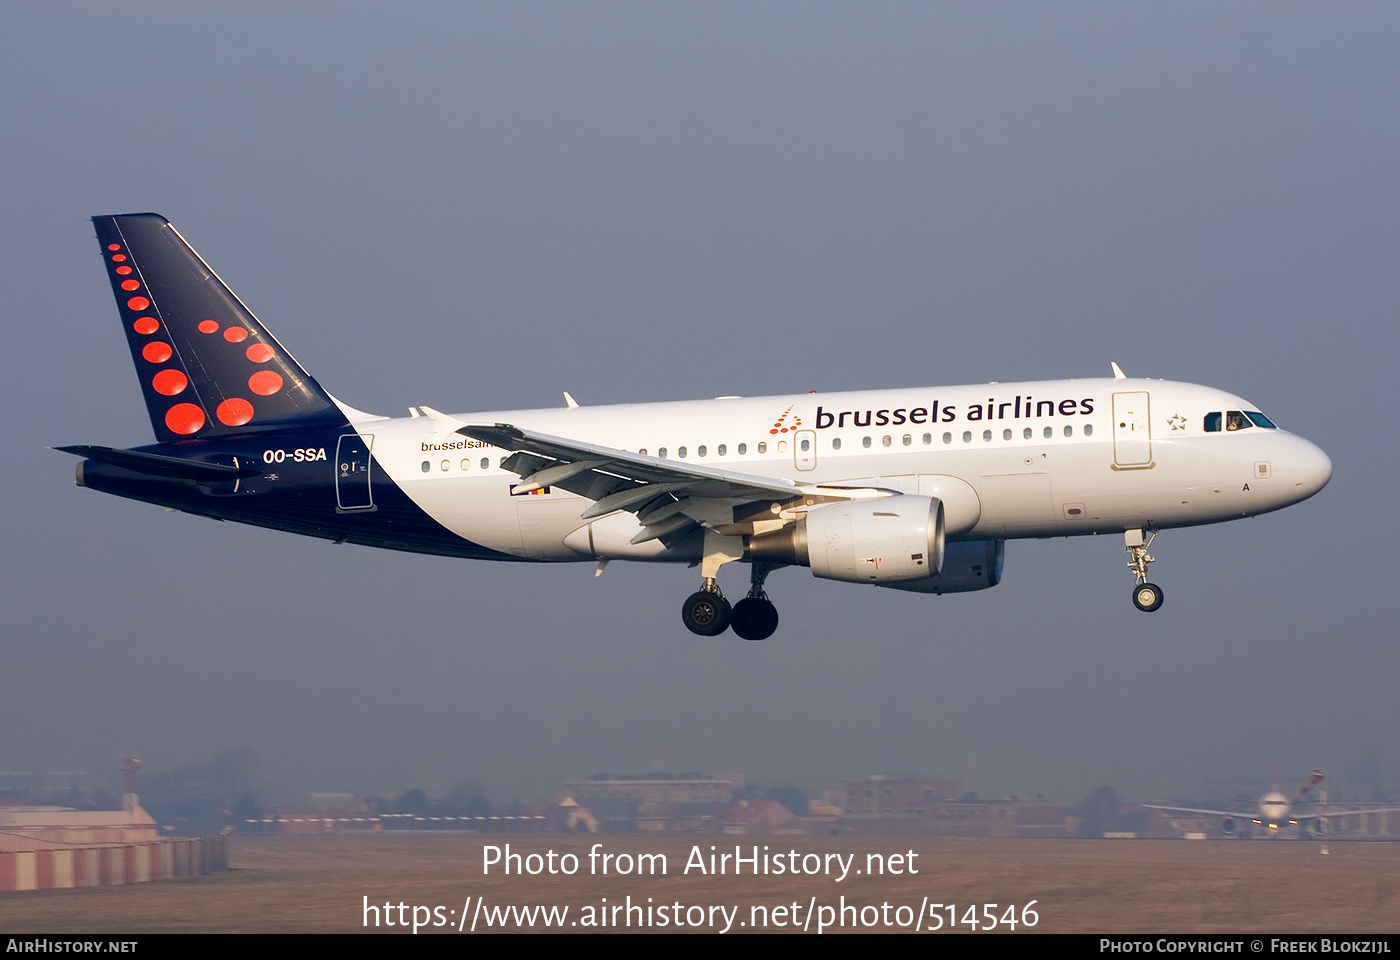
(885, 799)
(658, 788)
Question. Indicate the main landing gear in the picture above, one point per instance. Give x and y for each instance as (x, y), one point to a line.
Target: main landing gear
(708, 614)
(1147, 597)
(755, 617)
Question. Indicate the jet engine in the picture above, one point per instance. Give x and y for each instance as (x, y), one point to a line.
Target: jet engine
(967, 565)
(1228, 826)
(885, 541)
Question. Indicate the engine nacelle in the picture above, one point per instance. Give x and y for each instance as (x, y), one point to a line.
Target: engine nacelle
(1228, 826)
(967, 565)
(886, 540)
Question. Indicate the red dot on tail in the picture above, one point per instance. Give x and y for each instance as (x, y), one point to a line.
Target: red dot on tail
(170, 382)
(138, 303)
(129, 285)
(772, 431)
(146, 325)
(157, 351)
(259, 353)
(208, 326)
(119, 258)
(123, 271)
(114, 246)
(184, 418)
(235, 412)
(265, 383)
(235, 334)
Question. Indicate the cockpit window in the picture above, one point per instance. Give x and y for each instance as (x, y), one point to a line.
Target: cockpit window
(1213, 422)
(1260, 420)
(1235, 420)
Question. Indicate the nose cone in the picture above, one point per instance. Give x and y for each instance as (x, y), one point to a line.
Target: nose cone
(1310, 468)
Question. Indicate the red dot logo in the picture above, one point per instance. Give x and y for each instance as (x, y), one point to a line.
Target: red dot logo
(123, 271)
(157, 351)
(130, 285)
(119, 258)
(184, 418)
(146, 326)
(235, 412)
(170, 382)
(138, 303)
(208, 326)
(114, 246)
(259, 353)
(235, 334)
(265, 383)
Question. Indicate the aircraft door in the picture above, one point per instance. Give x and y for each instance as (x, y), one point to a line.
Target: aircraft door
(804, 450)
(352, 476)
(1132, 436)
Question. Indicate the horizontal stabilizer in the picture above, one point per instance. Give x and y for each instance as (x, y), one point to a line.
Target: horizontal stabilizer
(157, 466)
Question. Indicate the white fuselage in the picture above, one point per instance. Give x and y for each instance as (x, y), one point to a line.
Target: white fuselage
(1009, 460)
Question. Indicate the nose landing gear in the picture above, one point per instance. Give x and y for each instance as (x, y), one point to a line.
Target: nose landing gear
(1147, 597)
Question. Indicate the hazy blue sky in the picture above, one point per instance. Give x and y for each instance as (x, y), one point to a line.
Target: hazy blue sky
(477, 206)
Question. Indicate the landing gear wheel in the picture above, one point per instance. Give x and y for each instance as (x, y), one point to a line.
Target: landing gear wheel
(706, 614)
(1147, 597)
(755, 618)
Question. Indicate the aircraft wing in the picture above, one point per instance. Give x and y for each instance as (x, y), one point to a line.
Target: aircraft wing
(1350, 812)
(667, 495)
(1211, 813)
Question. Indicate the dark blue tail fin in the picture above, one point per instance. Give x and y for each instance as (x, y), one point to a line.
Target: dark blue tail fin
(207, 366)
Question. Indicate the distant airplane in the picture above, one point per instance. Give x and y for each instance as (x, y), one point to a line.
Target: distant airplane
(1274, 810)
(914, 489)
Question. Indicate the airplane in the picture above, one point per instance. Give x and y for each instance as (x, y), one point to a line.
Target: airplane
(910, 489)
(1274, 810)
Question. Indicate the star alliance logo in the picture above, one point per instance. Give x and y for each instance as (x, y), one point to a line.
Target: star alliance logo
(1177, 421)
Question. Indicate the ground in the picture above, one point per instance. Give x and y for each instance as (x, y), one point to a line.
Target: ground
(324, 884)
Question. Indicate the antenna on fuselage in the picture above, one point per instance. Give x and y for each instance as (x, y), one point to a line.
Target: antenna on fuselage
(1118, 373)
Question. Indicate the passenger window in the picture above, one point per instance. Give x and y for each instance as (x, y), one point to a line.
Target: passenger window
(987, 435)
(806, 445)
(1006, 434)
(928, 438)
(722, 450)
(427, 466)
(1069, 431)
(661, 453)
(743, 449)
(865, 442)
(680, 452)
(908, 439)
(466, 464)
(1088, 429)
(700, 451)
(1026, 433)
(1213, 422)
(885, 441)
(643, 451)
(485, 464)
(967, 436)
(1235, 420)
(836, 443)
(446, 465)
(1049, 432)
(763, 448)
